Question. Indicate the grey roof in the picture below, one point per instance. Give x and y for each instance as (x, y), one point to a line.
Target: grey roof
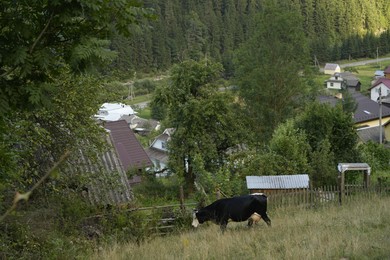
(379, 73)
(157, 154)
(370, 134)
(297, 181)
(107, 182)
(351, 79)
(367, 109)
(137, 122)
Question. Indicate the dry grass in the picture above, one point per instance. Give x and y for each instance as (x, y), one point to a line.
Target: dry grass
(359, 230)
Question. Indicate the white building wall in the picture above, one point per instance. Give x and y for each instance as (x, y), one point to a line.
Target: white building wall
(375, 92)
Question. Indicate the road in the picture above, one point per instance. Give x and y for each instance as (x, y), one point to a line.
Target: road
(363, 62)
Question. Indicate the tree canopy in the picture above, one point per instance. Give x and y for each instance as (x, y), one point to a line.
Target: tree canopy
(204, 119)
(270, 68)
(46, 96)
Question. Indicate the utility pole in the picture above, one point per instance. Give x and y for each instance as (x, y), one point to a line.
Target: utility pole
(380, 115)
(377, 56)
(316, 63)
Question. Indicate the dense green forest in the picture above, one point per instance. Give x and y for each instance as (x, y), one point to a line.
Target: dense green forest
(336, 29)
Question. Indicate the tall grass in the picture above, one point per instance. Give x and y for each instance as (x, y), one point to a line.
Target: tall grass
(357, 230)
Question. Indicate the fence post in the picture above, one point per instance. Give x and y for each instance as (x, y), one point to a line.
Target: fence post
(182, 207)
(341, 186)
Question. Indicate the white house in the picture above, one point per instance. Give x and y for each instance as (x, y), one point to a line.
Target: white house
(158, 150)
(113, 111)
(331, 68)
(382, 86)
(336, 82)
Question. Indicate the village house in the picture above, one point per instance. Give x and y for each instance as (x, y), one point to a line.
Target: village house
(336, 82)
(331, 68)
(381, 86)
(158, 150)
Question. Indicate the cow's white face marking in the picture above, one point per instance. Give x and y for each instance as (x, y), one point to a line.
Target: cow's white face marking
(195, 221)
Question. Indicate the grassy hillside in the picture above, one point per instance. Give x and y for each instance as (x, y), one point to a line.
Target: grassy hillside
(358, 230)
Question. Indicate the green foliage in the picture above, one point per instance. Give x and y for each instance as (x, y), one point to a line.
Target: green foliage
(223, 179)
(154, 191)
(269, 68)
(321, 121)
(336, 29)
(48, 229)
(67, 125)
(40, 38)
(291, 144)
(201, 115)
(143, 87)
(376, 155)
(323, 167)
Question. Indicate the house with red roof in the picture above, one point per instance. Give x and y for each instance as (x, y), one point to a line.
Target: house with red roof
(130, 152)
(380, 87)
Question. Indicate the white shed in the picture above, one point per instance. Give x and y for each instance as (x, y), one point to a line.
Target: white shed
(331, 68)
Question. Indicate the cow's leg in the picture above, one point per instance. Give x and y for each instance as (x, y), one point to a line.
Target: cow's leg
(223, 225)
(250, 222)
(266, 219)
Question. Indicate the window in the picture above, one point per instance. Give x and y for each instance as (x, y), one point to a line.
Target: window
(164, 145)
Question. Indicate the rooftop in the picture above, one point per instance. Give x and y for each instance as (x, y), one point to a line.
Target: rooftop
(297, 181)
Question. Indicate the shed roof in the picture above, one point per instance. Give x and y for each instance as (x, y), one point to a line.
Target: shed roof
(297, 181)
(379, 73)
(131, 153)
(342, 167)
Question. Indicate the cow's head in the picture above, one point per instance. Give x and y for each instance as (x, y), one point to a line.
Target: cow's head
(200, 216)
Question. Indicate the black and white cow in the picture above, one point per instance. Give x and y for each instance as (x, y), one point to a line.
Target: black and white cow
(248, 207)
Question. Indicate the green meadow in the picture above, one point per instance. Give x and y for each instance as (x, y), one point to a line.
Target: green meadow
(359, 229)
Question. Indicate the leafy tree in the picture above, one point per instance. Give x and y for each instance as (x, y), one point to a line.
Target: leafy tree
(323, 167)
(46, 99)
(269, 68)
(376, 155)
(291, 144)
(204, 119)
(323, 122)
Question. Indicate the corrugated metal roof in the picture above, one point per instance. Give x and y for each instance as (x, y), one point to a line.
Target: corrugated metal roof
(278, 182)
(342, 167)
(107, 181)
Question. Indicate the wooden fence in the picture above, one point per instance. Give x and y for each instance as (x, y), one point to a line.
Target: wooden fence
(322, 196)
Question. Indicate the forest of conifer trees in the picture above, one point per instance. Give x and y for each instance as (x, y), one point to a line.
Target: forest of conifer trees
(336, 29)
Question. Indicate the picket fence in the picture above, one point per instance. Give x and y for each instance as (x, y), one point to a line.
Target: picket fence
(322, 196)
